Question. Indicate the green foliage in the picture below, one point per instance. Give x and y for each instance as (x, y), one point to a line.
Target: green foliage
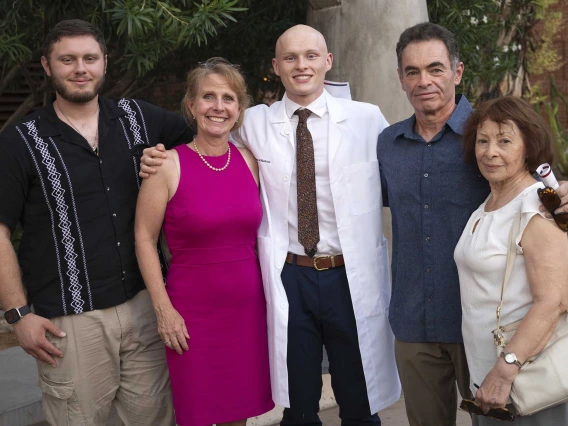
(501, 49)
(559, 133)
(141, 36)
(12, 50)
(546, 57)
(142, 31)
(493, 36)
(151, 42)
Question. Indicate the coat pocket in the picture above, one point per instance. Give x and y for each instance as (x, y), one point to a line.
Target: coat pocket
(363, 187)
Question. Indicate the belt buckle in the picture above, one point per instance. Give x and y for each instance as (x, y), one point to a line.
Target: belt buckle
(316, 262)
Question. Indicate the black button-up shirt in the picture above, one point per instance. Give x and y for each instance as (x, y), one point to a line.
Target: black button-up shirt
(431, 193)
(76, 208)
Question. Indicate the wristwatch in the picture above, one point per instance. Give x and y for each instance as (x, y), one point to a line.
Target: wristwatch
(13, 315)
(511, 358)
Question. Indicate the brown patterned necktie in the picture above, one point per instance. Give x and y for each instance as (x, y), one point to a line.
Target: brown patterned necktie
(308, 228)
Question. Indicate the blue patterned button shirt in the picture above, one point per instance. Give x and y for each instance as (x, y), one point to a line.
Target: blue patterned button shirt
(432, 194)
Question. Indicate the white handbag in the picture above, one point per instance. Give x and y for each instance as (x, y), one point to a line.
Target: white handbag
(542, 381)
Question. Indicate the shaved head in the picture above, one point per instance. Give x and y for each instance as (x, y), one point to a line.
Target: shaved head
(301, 60)
(301, 33)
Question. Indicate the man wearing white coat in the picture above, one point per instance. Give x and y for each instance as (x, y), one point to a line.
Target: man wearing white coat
(332, 288)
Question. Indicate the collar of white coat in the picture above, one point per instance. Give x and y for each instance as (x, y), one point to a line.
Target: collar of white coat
(317, 107)
(333, 105)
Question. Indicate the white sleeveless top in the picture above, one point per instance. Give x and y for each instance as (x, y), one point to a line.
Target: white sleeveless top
(481, 257)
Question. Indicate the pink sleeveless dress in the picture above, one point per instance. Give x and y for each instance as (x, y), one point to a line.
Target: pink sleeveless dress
(214, 282)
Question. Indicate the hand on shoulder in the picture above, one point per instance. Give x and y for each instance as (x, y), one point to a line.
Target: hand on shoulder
(151, 160)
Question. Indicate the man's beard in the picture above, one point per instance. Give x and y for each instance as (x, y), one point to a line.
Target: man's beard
(78, 97)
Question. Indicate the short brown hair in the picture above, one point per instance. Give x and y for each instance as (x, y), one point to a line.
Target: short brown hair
(224, 68)
(72, 28)
(539, 145)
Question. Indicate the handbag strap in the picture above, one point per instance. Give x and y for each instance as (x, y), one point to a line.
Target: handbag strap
(511, 255)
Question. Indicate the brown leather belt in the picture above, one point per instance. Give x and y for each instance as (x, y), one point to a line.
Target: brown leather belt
(320, 263)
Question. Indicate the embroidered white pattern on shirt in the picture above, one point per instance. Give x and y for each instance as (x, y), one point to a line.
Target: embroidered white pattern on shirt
(54, 177)
(81, 245)
(131, 115)
(142, 118)
(44, 189)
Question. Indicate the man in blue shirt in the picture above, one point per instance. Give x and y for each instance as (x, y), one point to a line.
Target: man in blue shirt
(431, 193)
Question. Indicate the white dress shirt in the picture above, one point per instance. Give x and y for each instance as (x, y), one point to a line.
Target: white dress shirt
(318, 125)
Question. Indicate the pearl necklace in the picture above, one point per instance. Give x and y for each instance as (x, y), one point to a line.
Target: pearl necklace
(215, 169)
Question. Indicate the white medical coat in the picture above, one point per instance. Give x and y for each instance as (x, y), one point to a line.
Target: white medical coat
(356, 191)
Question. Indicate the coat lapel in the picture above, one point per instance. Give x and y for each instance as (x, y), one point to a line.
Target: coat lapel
(337, 114)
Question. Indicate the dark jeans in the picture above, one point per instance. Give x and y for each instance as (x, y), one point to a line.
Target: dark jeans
(321, 313)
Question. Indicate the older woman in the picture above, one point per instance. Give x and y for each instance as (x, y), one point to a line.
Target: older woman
(508, 140)
(212, 314)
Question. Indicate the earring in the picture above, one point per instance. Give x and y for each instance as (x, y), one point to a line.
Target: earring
(193, 116)
(237, 120)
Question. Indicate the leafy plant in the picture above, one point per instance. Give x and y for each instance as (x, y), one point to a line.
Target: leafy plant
(498, 41)
(502, 50)
(139, 34)
(559, 133)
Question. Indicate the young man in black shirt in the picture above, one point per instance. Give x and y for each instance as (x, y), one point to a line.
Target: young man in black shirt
(69, 175)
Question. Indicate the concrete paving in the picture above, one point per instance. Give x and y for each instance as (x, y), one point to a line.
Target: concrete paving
(395, 415)
(20, 398)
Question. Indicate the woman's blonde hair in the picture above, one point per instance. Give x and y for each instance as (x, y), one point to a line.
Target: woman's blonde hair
(224, 68)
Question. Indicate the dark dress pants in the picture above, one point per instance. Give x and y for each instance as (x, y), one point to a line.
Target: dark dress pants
(321, 313)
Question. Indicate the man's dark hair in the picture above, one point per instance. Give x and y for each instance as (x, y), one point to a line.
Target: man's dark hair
(426, 31)
(72, 28)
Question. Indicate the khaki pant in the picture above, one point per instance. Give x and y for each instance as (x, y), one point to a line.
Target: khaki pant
(428, 373)
(110, 356)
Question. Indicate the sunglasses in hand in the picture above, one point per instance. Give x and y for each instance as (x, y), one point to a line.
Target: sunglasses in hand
(502, 414)
(551, 201)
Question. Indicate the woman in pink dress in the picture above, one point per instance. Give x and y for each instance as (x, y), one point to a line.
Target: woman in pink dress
(212, 312)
